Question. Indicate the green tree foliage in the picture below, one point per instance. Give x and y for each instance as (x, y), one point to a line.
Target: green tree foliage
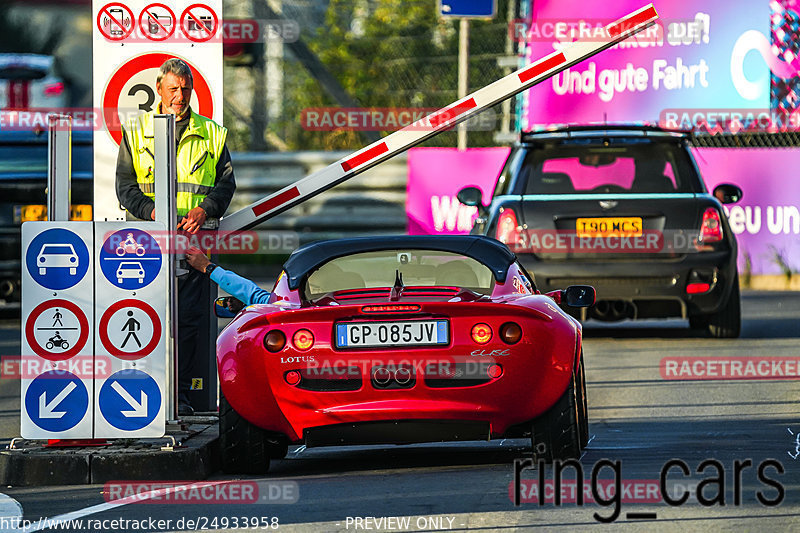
(18, 38)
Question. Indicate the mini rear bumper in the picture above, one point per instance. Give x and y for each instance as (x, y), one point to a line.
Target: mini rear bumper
(644, 281)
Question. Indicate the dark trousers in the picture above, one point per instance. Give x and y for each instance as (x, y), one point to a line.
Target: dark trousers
(193, 309)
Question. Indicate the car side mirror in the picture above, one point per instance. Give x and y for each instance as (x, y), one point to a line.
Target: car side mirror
(727, 193)
(227, 306)
(472, 196)
(579, 296)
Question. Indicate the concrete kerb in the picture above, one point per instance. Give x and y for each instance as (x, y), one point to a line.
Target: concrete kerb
(30, 463)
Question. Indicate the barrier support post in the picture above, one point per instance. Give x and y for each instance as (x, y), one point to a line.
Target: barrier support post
(165, 176)
(59, 167)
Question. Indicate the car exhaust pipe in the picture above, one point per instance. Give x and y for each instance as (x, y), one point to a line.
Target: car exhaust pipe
(381, 376)
(6, 288)
(602, 309)
(619, 309)
(402, 376)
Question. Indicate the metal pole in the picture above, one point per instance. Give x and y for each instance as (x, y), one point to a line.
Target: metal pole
(164, 173)
(59, 166)
(463, 75)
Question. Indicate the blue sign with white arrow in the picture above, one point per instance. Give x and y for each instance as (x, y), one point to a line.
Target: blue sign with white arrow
(57, 259)
(468, 8)
(56, 400)
(130, 259)
(130, 400)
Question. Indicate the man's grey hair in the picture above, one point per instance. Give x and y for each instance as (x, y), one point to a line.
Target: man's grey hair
(177, 67)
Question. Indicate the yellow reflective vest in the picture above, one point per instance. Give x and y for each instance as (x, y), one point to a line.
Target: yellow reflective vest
(198, 152)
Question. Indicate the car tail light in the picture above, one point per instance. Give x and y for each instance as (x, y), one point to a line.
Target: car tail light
(494, 371)
(274, 341)
(510, 332)
(303, 339)
(292, 377)
(396, 308)
(507, 227)
(697, 288)
(481, 333)
(54, 89)
(711, 228)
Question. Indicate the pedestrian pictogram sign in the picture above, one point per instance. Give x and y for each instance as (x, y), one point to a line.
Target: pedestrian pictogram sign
(57, 329)
(56, 401)
(130, 258)
(199, 23)
(57, 259)
(115, 21)
(130, 400)
(130, 329)
(157, 22)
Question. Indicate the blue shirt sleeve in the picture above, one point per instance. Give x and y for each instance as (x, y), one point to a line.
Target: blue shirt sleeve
(242, 288)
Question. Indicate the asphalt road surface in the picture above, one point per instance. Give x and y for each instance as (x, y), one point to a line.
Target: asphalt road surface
(739, 440)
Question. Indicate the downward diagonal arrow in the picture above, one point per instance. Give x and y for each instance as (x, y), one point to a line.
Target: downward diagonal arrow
(46, 409)
(139, 408)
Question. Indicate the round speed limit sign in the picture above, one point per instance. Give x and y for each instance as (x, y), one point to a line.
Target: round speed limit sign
(132, 91)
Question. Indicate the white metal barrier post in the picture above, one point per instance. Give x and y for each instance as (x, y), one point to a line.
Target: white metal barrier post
(164, 173)
(438, 121)
(59, 167)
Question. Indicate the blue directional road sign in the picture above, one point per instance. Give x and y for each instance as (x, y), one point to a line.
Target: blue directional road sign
(468, 8)
(57, 259)
(130, 259)
(129, 400)
(56, 400)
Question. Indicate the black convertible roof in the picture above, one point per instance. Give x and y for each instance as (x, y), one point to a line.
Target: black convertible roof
(485, 250)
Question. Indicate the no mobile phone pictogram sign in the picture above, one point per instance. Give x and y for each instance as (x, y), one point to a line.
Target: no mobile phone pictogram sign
(199, 23)
(115, 21)
(135, 80)
(157, 22)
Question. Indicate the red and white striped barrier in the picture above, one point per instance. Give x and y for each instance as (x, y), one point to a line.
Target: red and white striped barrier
(437, 122)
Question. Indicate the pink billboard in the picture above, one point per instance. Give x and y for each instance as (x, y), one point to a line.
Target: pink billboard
(766, 221)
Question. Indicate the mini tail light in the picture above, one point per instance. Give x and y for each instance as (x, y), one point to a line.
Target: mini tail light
(274, 341)
(54, 89)
(697, 288)
(494, 371)
(711, 228)
(510, 332)
(394, 308)
(481, 333)
(292, 377)
(507, 227)
(303, 339)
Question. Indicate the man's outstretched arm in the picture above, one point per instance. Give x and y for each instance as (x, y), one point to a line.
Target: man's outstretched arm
(242, 288)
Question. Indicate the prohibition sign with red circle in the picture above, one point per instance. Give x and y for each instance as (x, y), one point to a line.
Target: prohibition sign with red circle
(125, 72)
(188, 13)
(83, 325)
(149, 311)
(113, 21)
(145, 29)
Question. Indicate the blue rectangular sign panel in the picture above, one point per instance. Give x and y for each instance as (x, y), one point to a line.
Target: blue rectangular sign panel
(468, 8)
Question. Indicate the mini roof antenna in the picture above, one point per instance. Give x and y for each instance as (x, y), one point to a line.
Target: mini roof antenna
(605, 118)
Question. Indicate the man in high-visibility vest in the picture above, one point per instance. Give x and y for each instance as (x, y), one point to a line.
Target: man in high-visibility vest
(205, 188)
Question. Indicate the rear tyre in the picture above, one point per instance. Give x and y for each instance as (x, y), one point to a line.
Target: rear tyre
(557, 434)
(245, 448)
(727, 322)
(580, 397)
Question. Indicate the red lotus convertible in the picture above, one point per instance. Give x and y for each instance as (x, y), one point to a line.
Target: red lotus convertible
(398, 340)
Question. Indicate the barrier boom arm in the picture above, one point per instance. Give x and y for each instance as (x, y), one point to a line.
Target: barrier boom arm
(437, 122)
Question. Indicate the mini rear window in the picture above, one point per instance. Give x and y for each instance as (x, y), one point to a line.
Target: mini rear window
(630, 168)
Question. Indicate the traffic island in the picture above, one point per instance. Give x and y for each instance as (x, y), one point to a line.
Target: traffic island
(194, 457)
